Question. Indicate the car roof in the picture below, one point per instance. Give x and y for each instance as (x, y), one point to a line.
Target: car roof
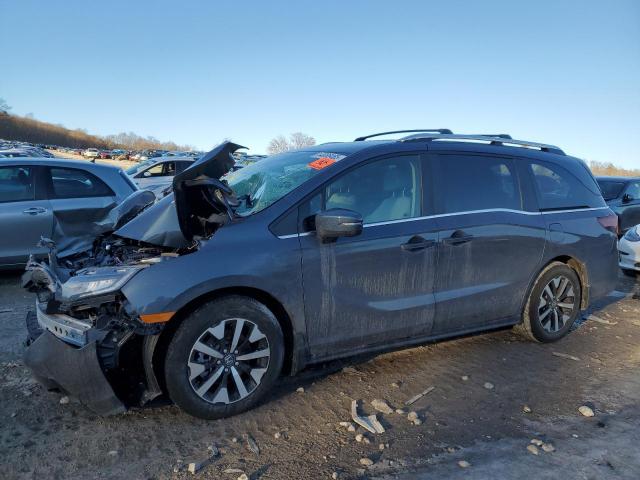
(58, 162)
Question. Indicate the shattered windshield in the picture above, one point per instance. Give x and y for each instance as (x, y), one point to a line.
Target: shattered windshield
(259, 185)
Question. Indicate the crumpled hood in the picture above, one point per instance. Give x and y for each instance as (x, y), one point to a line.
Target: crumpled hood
(199, 203)
(75, 229)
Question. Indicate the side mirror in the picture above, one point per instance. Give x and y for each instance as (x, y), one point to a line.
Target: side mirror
(626, 198)
(338, 222)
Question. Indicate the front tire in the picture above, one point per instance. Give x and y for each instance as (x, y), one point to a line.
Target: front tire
(553, 304)
(224, 357)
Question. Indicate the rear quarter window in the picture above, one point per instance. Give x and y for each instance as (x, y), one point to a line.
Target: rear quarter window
(75, 183)
(559, 189)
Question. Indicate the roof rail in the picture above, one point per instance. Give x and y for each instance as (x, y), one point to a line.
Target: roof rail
(423, 130)
(501, 139)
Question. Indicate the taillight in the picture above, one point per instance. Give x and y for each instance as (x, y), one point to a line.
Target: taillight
(610, 222)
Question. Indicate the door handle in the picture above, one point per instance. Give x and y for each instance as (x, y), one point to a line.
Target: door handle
(416, 243)
(34, 210)
(458, 238)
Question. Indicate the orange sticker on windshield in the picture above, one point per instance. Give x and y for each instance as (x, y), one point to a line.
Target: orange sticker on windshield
(322, 162)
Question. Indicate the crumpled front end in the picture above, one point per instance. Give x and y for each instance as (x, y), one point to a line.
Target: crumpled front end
(88, 341)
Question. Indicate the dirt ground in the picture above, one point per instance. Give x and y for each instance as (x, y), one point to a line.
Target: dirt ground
(462, 420)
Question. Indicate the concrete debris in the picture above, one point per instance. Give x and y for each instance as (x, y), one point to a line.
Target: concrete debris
(533, 449)
(464, 378)
(400, 411)
(464, 464)
(277, 435)
(537, 442)
(417, 421)
(300, 390)
(412, 416)
(488, 385)
(351, 428)
(64, 400)
(600, 320)
(417, 397)
(526, 409)
(548, 447)
(335, 476)
(251, 444)
(344, 424)
(232, 470)
(381, 446)
(359, 437)
(195, 467)
(369, 423)
(381, 406)
(112, 453)
(243, 476)
(395, 385)
(586, 411)
(234, 440)
(367, 462)
(565, 355)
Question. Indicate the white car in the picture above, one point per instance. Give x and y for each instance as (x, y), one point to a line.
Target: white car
(91, 153)
(157, 172)
(629, 250)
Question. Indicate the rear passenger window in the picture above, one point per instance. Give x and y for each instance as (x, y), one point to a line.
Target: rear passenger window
(466, 183)
(559, 189)
(74, 183)
(16, 184)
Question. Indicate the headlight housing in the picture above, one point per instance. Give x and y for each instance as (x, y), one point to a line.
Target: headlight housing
(93, 282)
(633, 234)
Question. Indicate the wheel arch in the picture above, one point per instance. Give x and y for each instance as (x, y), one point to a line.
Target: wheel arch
(290, 365)
(577, 266)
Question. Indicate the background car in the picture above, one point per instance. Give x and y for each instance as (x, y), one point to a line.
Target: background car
(622, 194)
(158, 172)
(40, 197)
(91, 153)
(629, 251)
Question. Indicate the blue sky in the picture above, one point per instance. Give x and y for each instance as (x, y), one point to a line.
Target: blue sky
(198, 71)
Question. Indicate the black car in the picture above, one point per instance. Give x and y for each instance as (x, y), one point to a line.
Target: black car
(214, 291)
(622, 194)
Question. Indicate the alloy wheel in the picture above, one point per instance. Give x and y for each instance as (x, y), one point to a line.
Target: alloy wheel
(227, 362)
(557, 303)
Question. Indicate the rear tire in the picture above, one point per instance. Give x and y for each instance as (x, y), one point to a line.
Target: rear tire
(224, 357)
(553, 304)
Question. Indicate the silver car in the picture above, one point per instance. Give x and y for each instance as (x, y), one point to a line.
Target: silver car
(54, 198)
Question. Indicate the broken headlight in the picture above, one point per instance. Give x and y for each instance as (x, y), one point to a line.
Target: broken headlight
(93, 282)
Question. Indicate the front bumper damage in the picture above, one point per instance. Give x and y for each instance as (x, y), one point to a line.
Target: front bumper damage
(76, 371)
(95, 349)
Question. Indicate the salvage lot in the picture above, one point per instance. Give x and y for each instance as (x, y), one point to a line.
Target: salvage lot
(461, 419)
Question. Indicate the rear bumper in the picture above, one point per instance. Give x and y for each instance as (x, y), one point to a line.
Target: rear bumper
(76, 371)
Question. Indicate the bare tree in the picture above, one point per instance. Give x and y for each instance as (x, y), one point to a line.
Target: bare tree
(278, 145)
(4, 106)
(296, 140)
(301, 140)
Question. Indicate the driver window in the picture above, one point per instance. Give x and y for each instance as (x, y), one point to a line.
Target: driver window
(155, 171)
(380, 191)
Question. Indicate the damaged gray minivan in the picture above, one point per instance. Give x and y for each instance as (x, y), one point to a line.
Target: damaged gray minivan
(235, 278)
